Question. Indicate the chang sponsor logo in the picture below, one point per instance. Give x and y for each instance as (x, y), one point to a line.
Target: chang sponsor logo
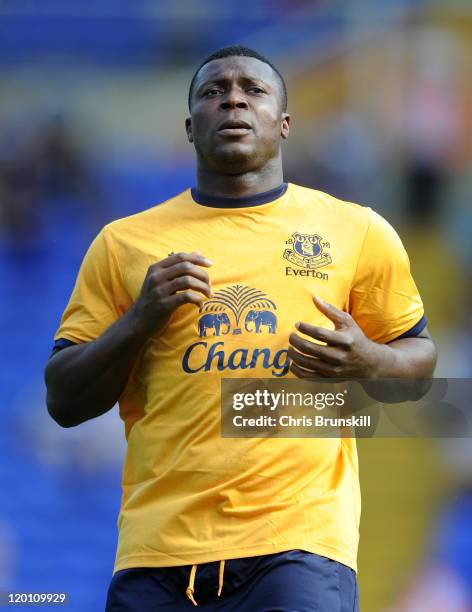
(203, 356)
(236, 310)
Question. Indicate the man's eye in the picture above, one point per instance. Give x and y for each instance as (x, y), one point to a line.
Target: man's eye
(213, 92)
(256, 89)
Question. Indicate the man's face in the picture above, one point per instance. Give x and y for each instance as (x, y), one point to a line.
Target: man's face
(236, 121)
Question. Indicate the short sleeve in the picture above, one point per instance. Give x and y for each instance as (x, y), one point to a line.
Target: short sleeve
(99, 298)
(384, 300)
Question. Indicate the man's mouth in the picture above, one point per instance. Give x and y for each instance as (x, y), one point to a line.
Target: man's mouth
(234, 128)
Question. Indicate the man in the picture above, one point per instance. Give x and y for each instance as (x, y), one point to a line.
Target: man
(155, 324)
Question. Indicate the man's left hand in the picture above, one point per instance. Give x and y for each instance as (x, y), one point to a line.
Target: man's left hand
(347, 352)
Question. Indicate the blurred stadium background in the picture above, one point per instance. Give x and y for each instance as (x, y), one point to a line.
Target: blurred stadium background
(92, 105)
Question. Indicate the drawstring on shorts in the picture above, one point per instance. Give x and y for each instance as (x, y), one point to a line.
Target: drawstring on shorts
(190, 589)
(191, 582)
(220, 576)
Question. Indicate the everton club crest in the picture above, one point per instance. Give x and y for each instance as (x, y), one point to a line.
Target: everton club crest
(307, 251)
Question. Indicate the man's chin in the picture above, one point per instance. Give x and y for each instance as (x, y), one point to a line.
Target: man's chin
(234, 157)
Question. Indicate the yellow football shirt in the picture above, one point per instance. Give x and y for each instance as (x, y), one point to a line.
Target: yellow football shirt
(189, 495)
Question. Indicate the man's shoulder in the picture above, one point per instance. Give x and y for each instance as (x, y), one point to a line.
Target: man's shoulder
(316, 196)
(151, 217)
(365, 220)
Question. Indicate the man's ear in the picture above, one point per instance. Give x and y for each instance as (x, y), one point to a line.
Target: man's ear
(285, 126)
(188, 129)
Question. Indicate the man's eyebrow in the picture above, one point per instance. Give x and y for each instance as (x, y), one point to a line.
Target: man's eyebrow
(225, 80)
(212, 81)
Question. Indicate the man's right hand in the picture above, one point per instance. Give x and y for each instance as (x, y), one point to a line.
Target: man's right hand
(86, 380)
(176, 280)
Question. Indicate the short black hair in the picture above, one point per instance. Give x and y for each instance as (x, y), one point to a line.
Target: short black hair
(239, 51)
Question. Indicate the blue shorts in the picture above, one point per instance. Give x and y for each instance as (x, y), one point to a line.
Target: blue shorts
(292, 581)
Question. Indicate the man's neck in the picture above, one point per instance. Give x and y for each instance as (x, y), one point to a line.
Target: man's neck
(239, 185)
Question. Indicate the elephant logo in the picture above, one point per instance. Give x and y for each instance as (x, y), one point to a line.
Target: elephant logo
(307, 251)
(227, 308)
(260, 319)
(213, 321)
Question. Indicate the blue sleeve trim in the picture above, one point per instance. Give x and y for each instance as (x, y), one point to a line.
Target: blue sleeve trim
(415, 330)
(61, 343)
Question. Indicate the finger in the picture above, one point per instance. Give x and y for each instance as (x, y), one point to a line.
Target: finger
(300, 372)
(338, 317)
(318, 353)
(303, 373)
(184, 268)
(185, 297)
(330, 337)
(194, 257)
(315, 365)
(181, 283)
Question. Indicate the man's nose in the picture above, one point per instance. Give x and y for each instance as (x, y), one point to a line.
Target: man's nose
(233, 99)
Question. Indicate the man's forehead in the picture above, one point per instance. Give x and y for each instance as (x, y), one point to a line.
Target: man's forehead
(239, 66)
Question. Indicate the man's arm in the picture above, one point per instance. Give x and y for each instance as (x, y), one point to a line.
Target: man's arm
(348, 353)
(408, 357)
(86, 380)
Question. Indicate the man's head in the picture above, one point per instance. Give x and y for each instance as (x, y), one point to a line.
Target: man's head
(237, 102)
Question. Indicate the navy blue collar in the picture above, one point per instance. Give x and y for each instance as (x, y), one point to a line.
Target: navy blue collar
(254, 200)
